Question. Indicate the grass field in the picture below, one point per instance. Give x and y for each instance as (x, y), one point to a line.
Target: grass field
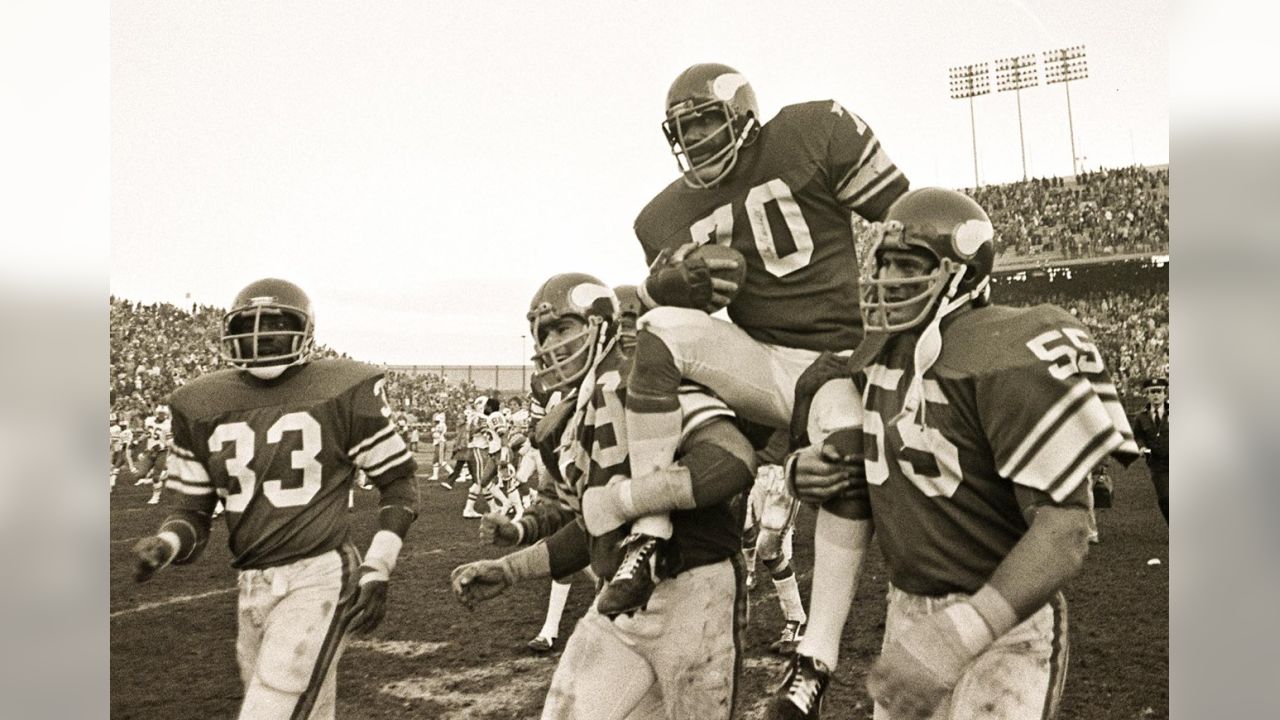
(173, 639)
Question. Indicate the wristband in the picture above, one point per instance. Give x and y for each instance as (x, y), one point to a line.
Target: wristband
(171, 539)
(973, 631)
(381, 558)
(994, 609)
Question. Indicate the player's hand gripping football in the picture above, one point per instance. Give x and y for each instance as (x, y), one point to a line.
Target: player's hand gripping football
(370, 606)
(481, 580)
(498, 529)
(691, 281)
(150, 553)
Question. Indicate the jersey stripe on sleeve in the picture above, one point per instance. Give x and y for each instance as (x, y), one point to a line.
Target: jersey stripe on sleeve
(186, 474)
(382, 451)
(1068, 441)
(874, 173)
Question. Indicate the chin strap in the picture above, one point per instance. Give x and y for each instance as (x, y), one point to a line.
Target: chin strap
(929, 347)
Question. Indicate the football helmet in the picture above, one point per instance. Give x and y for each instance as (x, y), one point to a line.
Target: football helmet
(710, 88)
(953, 229)
(562, 364)
(267, 352)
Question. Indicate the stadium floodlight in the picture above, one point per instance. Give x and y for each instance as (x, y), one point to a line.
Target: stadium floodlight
(1018, 73)
(1063, 66)
(968, 82)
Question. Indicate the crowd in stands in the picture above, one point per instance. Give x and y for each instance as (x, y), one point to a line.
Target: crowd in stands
(1131, 330)
(1103, 213)
(419, 396)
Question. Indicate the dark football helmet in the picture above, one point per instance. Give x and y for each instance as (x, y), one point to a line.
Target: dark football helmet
(561, 364)
(949, 226)
(270, 327)
(723, 93)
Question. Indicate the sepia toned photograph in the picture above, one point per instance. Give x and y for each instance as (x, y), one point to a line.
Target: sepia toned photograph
(662, 361)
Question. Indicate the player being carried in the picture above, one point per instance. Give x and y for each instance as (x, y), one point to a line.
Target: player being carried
(782, 194)
(965, 443)
(281, 437)
(680, 657)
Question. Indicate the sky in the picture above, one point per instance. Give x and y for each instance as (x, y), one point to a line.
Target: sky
(419, 168)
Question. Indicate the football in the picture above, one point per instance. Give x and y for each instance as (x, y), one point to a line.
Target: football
(712, 251)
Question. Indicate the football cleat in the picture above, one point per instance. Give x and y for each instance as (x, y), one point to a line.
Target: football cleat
(542, 644)
(471, 514)
(792, 634)
(630, 587)
(799, 695)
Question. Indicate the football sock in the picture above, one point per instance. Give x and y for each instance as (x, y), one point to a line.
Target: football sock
(789, 597)
(653, 406)
(555, 609)
(658, 526)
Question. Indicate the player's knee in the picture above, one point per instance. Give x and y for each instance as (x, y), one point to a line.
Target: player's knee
(769, 546)
(672, 323)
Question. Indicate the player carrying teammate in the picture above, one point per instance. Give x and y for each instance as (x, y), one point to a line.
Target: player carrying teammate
(966, 444)
(782, 193)
(679, 657)
(280, 437)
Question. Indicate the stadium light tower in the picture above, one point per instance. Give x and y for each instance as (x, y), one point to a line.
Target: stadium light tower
(1017, 73)
(968, 82)
(1063, 66)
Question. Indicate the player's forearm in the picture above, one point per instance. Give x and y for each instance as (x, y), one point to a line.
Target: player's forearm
(716, 464)
(187, 532)
(567, 551)
(543, 519)
(839, 545)
(398, 504)
(1050, 553)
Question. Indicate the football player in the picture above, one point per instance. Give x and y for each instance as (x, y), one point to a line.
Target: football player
(121, 449)
(965, 443)
(680, 656)
(280, 437)
(439, 433)
(159, 429)
(781, 192)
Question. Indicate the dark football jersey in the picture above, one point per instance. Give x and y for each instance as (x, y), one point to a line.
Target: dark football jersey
(787, 207)
(283, 454)
(593, 450)
(1017, 396)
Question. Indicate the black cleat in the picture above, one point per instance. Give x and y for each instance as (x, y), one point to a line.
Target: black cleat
(631, 586)
(799, 695)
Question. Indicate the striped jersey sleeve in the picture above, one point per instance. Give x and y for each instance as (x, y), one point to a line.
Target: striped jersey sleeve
(1051, 419)
(378, 448)
(186, 468)
(865, 180)
(698, 407)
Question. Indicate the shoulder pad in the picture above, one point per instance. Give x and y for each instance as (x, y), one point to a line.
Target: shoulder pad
(995, 337)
